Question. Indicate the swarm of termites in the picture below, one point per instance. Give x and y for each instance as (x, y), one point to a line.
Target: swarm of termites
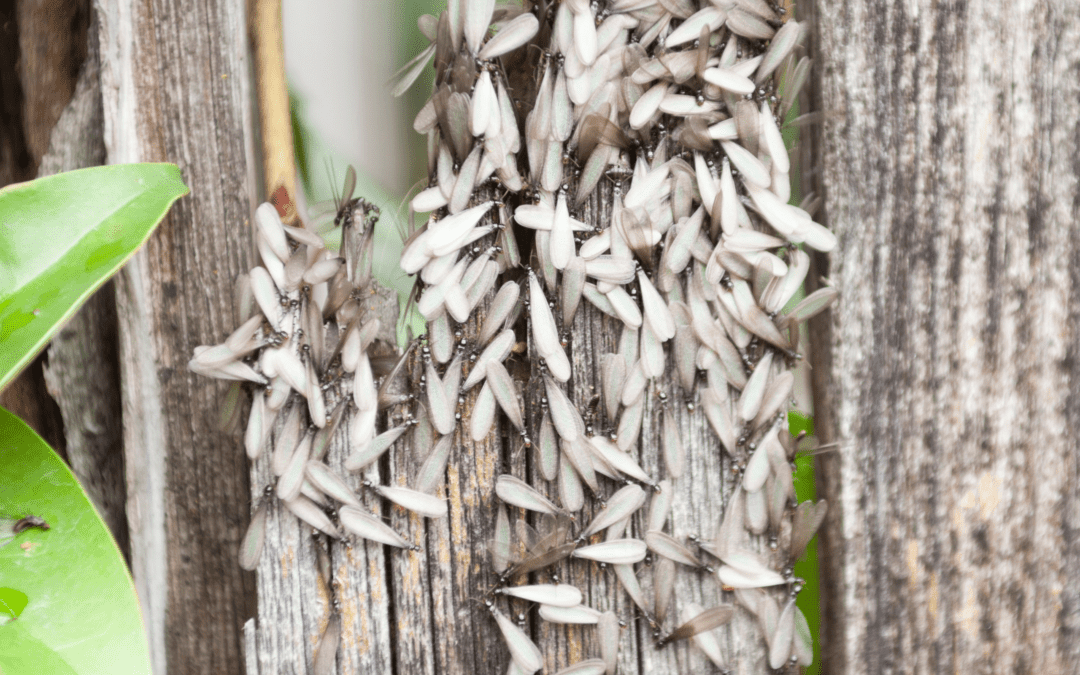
(669, 112)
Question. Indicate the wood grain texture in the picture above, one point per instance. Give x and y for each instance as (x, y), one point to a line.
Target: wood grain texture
(950, 366)
(173, 89)
(83, 369)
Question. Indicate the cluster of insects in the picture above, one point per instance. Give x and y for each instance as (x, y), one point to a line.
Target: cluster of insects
(661, 115)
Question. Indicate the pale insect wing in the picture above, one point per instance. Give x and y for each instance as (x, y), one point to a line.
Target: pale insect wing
(452, 380)
(547, 448)
(257, 430)
(511, 36)
(286, 441)
(500, 545)
(370, 451)
(500, 309)
(656, 310)
(665, 545)
(607, 630)
(614, 552)
(618, 460)
(410, 72)
(598, 300)
(571, 493)
(664, 586)
(711, 618)
(706, 641)
(573, 282)
(325, 661)
(415, 501)
(367, 526)
(802, 641)
(483, 414)
(626, 501)
(441, 338)
(685, 349)
(768, 616)
(629, 581)
(309, 512)
(628, 345)
(652, 352)
(329, 483)
(291, 480)
(757, 470)
(613, 375)
(251, 545)
(805, 522)
(439, 405)
(477, 18)
(562, 412)
(505, 391)
(813, 304)
(777, 501)
(660, 507)
(316, 402)
(517, 492)
(555, 595)
(674, 453)
(780, 644)
(434, 467)
(634, 386)
(580, 615)
(544, 330)
(775, 397)
(754, 391)
(523, 651)
(589, 667)
(737, 578)
(630, 424)
(466, 180)
(757, 512)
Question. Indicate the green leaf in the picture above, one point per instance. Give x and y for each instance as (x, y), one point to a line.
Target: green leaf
(80, 615)
(62, 237)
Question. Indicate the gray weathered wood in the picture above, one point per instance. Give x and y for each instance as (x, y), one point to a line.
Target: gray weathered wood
(83, 370)
(173, 86)
(949, 372)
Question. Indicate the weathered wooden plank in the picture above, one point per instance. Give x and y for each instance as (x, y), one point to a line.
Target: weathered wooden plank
(173, 87)
(950, 365)
(83, 370)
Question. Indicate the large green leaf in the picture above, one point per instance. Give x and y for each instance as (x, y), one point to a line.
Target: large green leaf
(62, 237)
(67, 603)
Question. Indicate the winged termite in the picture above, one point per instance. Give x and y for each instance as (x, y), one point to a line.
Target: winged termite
(412, 500)
(709, 619)
(579, 615)
(309, 512)
(613, 552)
(523, 651)
(370, 450)
(517, 492)
(367, 526)
(434, 467)
(805, 523)
(288, 485)
(781, 643)
(547, 448)
(330, 483)
(802, 645)
(552, 595)
(665, 545)
(629, 582)
(626, 501)
(663, 587)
